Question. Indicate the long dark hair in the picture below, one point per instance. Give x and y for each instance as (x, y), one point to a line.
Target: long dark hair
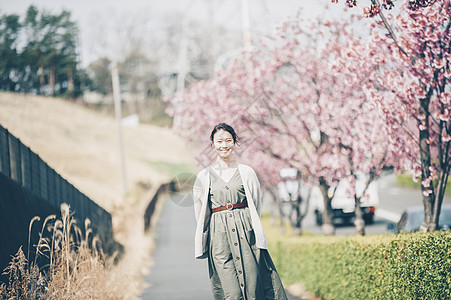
(225, 127)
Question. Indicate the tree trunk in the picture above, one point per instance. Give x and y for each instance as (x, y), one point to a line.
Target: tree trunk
(70, 80)
(41, 78)
(359, 222)
(429, 224)
(440, 193)
(328, 227)
(278, 203)
(296, 216)
(272, 216)
(281, 215)
(52, 80)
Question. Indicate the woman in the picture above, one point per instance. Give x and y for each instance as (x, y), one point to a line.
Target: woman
(227, 203)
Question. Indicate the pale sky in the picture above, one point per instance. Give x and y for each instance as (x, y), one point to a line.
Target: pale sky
(228, 13)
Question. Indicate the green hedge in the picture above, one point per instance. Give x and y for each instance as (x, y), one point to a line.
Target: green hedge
(407, 266)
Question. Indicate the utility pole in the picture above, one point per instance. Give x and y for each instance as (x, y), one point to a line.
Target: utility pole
(183, 53)
(118, 111)
(266, 16)
(182, 67)
(211, 21)
(214, 43)
(247, 40)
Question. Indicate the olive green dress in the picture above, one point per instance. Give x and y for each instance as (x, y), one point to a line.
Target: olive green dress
(237, 268)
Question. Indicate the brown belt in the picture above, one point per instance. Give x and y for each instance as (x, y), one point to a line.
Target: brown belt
(229, 206)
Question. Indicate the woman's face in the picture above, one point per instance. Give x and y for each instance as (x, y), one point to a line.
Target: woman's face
(223, 144)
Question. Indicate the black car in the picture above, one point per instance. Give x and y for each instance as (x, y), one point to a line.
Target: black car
(413, 217)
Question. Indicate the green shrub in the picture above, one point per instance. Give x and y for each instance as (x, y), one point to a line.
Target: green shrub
(406, 266)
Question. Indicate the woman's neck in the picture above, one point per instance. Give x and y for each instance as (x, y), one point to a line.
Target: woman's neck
(225, 163)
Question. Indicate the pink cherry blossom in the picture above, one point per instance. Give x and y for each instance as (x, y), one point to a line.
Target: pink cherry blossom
(416, 74)
(317, 98)
(303, 107)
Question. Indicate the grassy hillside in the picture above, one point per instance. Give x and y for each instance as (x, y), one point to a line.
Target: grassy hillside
(82, 146)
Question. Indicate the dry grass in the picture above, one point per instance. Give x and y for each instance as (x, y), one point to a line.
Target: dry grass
(74, 266)
(82, 146)
(25, 281)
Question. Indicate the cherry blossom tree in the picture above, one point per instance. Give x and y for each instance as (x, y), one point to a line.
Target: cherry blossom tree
(412, 85)
(303, 104)
(319, 101)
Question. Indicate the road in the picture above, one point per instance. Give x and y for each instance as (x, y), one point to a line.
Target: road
(392, 202)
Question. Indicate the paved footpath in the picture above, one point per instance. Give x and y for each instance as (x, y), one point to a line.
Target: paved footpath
(176, 274)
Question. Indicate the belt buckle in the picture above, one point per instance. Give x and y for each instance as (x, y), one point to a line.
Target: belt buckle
(227, 206)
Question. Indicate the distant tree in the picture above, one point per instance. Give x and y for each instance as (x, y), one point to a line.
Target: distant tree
(46, 62)
(32, 76)
(148, 52)
(9, 62)
(99, 72)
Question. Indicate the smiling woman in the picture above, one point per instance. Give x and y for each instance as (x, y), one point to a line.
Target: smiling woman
(223, 139)
(229, 232)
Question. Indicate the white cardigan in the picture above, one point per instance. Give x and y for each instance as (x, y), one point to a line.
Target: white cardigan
(203, 213)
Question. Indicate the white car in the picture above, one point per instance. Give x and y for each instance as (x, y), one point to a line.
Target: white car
(343, 205)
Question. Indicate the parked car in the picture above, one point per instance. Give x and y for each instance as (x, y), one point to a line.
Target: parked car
(343, 205)
(412, 218)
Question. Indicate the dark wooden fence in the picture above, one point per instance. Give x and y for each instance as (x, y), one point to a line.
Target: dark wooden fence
(28, 188)
(150, 209)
